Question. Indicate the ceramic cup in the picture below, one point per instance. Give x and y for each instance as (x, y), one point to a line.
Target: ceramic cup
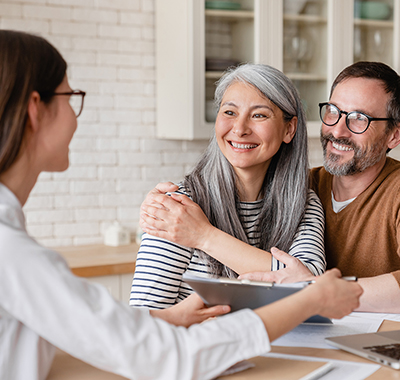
(374, 10)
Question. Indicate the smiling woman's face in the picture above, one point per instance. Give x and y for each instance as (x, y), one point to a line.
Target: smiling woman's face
(250, 129)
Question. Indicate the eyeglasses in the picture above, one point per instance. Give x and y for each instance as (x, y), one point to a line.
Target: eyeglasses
(76, 98)
(356, 122)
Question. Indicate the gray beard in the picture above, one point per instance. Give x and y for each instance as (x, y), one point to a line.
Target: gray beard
(361, 160)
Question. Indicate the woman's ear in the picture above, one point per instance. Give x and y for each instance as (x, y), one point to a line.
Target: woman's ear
(35, 109)
(291, 128)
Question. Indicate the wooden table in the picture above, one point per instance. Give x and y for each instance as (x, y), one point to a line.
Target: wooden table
(66, 367)
(100, 260)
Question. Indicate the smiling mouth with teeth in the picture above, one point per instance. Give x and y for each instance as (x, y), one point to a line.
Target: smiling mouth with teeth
(242, 146)
(341, 147)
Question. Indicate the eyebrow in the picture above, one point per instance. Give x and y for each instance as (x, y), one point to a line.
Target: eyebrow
(257, 106)
(356, 110)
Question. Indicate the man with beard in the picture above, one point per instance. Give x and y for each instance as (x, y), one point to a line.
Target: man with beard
(358, 185)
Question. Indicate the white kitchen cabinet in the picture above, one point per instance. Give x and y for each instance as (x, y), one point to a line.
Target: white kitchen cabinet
(311, 45)
(118, 285)
(112, 267)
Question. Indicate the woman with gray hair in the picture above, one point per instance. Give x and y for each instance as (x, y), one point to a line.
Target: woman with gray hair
(250, 187)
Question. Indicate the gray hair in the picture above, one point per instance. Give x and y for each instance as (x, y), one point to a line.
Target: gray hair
(213, 182)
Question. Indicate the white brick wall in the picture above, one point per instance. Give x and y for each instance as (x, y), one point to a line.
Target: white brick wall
(115, 159)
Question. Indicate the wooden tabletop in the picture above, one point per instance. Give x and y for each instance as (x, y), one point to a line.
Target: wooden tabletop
(100, 260)
(65, 367)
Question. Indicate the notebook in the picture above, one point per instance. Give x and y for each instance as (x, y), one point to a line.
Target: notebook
(381, 347)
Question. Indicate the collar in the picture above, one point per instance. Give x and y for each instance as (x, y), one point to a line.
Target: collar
(10, 209)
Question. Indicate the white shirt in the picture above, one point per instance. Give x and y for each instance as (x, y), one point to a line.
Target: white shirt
(339, 206)
(43, 305)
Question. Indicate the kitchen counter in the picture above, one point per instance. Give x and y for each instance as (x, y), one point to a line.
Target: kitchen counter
(100, 260)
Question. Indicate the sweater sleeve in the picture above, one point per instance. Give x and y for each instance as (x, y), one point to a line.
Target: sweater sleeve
(157, 282)
(396, 274)
(308, 243)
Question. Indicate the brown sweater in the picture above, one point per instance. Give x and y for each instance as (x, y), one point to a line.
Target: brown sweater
(363, 239)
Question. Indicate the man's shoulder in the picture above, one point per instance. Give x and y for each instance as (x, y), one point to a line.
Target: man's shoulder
(392, 165)
(317, 172)
(320, 180)
(391, 171)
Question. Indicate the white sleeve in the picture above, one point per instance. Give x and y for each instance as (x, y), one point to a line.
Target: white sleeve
(82, 319)
(308, 243)
(157, 282)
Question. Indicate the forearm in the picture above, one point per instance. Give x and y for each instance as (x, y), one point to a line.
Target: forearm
(381, 294)
(234, 253)
(282, 316)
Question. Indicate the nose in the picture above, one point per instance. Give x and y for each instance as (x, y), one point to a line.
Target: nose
(241, 127)
(339, 130)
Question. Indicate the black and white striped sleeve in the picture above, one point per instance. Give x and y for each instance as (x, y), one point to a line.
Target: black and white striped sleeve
(308, 243)
(157, 282)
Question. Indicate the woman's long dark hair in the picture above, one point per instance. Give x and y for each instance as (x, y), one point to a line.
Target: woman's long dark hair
(27, 63)
(213, 182)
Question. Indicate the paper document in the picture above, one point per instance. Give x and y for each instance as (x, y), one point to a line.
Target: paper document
(342, 369)
(381, 316)
(313, 335)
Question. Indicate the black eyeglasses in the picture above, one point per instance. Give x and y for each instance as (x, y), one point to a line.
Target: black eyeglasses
(356, 122)
(76, 98)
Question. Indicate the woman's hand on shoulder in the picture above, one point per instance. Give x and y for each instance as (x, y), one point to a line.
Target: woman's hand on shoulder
(175, 218)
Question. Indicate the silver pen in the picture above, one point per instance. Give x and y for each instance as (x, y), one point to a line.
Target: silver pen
(346, 278)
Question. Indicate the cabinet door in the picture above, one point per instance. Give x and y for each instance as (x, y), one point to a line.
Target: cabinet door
(305, 53)
(125, 284)
(118, 285)
(112, 283)
(180, 70)
(196, 40)
(375, 32)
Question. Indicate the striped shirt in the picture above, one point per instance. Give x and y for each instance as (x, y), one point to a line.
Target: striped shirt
(160, 264)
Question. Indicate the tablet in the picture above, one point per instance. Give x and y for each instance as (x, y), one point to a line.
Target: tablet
(242, 294)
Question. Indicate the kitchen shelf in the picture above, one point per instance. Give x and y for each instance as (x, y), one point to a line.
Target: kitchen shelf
(230, 15)
(306, 76)
(213, 74)
(309, 19)
(373, 23)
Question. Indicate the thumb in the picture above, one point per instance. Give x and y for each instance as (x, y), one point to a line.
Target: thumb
(165, 187)
(281, 256)
(182, 198)
(215, 311)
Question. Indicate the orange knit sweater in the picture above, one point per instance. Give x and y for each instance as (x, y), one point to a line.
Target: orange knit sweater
(363, 239)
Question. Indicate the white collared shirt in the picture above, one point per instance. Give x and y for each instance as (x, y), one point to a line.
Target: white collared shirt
(43, 305)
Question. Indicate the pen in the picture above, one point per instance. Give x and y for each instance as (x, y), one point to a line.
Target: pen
(346, 278)
(318, 373)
